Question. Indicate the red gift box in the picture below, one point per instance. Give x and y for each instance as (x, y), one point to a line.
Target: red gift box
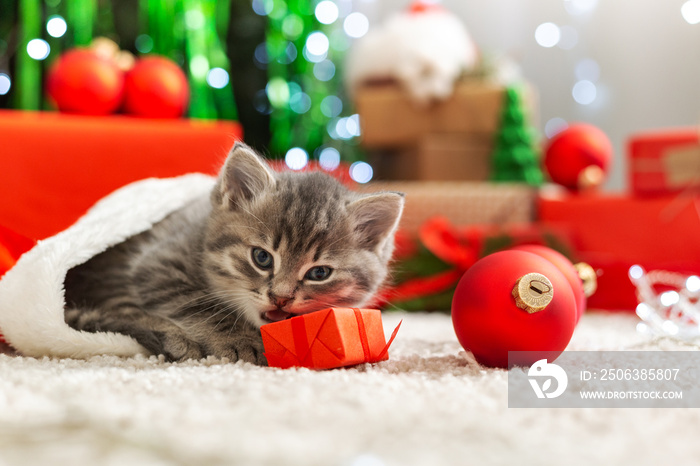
(664, 161)
(334, 337)
(54, 166)
(614, 232)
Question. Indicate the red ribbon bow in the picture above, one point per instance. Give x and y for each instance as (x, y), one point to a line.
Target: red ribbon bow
(459, 249)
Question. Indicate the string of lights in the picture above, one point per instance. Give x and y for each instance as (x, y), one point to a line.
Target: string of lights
(303, 54)
(668, 302)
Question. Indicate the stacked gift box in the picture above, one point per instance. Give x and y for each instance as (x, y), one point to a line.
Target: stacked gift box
(655, 225)
(443, 155)
(450, 139)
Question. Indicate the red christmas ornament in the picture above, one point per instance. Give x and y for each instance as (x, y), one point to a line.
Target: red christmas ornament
(156, 88)
(513, 301)
(81, 81)
(581, 277)
(422, 6)
(579, 156)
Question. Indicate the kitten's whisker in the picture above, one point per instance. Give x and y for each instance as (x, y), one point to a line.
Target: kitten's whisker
(247, 211)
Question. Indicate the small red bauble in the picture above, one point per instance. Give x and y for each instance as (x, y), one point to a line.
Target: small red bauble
(566, 267)
(81, 81)
(156, 88)
(579, 156)
(513, 301)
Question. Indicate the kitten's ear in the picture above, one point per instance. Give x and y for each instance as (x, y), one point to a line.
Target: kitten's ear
(244, 176)
(376, 218)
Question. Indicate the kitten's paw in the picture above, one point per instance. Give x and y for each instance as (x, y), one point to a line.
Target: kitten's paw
(174, 346)
(248, 348)
(177, 347)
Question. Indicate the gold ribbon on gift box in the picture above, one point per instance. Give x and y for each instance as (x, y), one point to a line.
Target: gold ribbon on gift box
(680, 165)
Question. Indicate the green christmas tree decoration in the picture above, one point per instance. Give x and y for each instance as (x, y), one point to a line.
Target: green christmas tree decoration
(515, 157)
(191, 32)
(305, 57)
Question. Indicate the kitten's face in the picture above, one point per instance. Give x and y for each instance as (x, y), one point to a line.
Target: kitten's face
(281, 245)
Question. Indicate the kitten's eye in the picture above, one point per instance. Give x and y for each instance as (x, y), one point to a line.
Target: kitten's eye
(262, 258)
(319, 273)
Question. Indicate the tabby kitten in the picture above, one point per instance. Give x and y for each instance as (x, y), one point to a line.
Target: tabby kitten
(263, 247)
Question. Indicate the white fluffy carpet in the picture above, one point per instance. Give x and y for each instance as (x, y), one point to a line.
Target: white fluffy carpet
(430, 404)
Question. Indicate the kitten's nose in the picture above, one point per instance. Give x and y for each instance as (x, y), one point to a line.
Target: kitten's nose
(280, 301)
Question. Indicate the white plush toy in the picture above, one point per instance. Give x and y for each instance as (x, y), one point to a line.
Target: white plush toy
(424, 49)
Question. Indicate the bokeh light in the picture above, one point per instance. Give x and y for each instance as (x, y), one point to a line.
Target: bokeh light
(643, 311)
(690, 11)
(693, 283)
(199, 66)
(294, 88)
(296, 158)
(260, 56)
(555, 126)
(669, 298)
(300, 102)
(329, 158)
(580, 7)
(584, 92)
(352, 125)
(261, 102)
(361, 172)
(356, 25)
(194, 19)
(547, 34)
(38, 49)
(292, 27)
(636, 272)
(670, 327)
(326, 12)
(317, 43)
(341, 128)
(56, 26)
(279, 9)
(217, 78)
(324, 70)
(144, 43)
(263, 7)
(277, 92)
(289, 55)
(5, 84)
(331, 106)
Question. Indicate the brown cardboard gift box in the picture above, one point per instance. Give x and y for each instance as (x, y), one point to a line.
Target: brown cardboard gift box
(437, 156)
(462, 203)
(389, 118)
(447, 140)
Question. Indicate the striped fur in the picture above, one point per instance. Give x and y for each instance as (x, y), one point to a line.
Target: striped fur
(191, 286)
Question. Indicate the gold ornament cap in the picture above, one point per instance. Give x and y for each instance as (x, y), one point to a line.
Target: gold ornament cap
(588, 276)
(533, 292)
(590, 177)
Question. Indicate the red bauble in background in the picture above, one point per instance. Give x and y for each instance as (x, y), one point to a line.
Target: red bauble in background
(578, 156)
(156, 88)
(566, 267)
(513, 301)
(81, 81)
